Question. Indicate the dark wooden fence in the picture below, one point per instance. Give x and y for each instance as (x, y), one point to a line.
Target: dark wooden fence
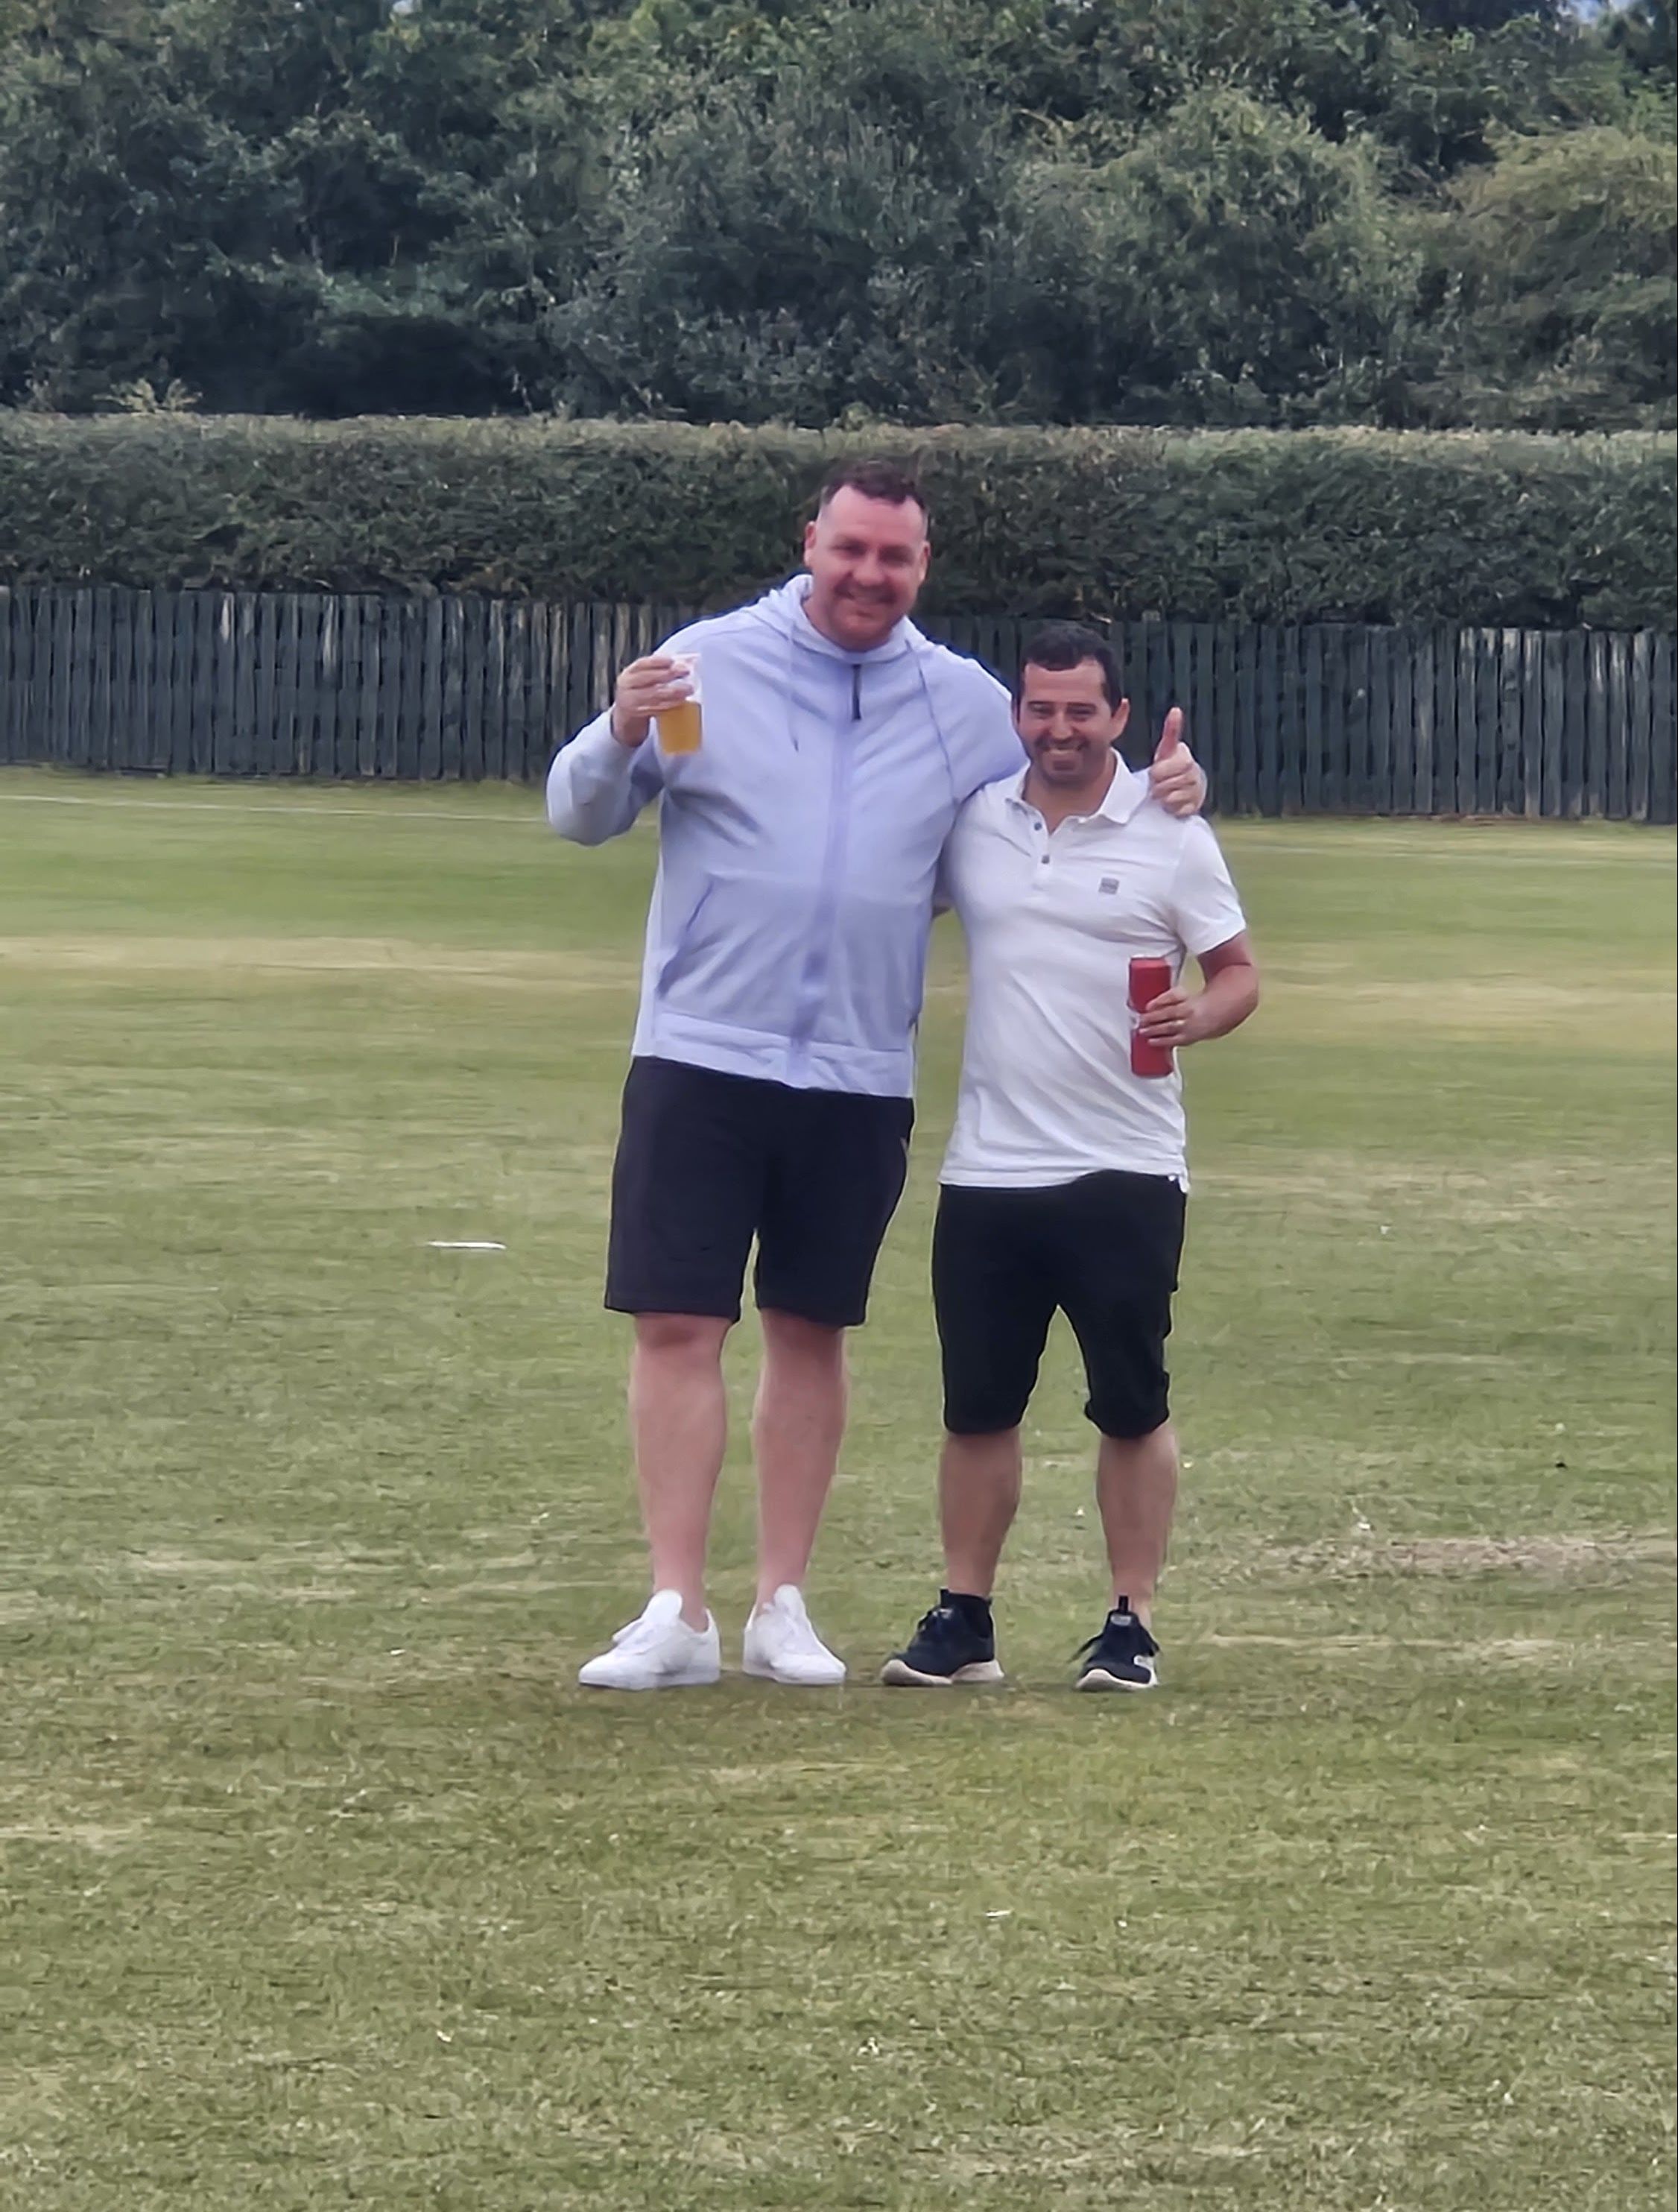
(1330, 719)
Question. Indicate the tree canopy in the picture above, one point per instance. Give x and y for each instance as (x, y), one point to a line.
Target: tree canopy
(1411, 213)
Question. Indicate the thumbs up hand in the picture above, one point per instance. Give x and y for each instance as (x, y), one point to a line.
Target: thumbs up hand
(1176, 777)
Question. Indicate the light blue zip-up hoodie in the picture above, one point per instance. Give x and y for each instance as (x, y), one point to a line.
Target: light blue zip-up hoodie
(798, 847)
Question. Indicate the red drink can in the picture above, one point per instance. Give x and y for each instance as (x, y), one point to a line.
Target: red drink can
(1149, 979)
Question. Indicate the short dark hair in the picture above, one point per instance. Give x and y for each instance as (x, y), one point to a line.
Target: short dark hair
(875, 479)
(1068, 645)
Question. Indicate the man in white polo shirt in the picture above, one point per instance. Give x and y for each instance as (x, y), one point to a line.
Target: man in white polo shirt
(1064, 1184)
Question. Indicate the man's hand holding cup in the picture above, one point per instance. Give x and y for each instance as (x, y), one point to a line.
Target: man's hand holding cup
(658, 685)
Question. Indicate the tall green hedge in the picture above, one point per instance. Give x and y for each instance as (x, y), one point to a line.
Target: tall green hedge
(1258, 525)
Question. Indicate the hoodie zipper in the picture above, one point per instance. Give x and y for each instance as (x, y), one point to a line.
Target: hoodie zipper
(818, 953)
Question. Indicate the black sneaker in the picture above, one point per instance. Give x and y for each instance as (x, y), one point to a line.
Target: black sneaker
(951, 1644)
(1122, 1656)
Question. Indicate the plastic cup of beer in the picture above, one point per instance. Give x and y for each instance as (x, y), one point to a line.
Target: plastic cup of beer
(680, 728)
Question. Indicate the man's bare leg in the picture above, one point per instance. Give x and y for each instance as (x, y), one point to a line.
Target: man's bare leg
(678, 1423)
(1135, 1487)
(978, 1495)
(797, 1429)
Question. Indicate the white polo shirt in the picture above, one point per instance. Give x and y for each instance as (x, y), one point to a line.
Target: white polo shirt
(1052, 923)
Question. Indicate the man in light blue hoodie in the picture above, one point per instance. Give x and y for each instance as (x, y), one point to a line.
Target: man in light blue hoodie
(770, 1088)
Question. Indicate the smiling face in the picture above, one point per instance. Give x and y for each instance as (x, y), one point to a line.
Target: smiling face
(867, 558)
(1069, 726)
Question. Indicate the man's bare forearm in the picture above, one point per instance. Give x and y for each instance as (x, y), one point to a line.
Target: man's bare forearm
(1227, 1000)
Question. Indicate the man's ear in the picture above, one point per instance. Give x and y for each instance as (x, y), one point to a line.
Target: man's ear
(1124, 720)
(809, 541)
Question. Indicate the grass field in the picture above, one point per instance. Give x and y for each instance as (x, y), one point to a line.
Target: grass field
(322, 1885)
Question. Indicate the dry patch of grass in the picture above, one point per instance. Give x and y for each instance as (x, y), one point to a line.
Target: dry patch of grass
(1554, 1559)
(112, 955)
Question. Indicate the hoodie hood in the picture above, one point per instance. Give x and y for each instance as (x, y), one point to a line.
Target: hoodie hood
(783, 609)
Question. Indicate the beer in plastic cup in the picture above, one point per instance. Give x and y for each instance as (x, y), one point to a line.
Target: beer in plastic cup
(680, 728)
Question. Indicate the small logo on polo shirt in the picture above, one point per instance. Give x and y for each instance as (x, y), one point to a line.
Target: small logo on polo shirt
(1108, 886)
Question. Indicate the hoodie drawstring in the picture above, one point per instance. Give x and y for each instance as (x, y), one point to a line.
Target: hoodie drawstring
(856, 690)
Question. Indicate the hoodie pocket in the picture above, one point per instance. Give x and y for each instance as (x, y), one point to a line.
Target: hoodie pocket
(740, 954)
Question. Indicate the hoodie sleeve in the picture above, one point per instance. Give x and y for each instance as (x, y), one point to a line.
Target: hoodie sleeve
(991, 747)
(1002, 752)
(596, 786)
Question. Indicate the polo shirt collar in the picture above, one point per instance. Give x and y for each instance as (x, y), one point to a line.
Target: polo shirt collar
(1123, 795)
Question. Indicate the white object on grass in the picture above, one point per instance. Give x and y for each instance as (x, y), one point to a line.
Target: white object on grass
(465, 1244)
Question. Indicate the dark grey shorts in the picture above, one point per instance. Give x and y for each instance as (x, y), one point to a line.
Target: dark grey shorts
(706, 1162)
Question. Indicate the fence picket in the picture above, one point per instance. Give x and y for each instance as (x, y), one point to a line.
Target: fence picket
(291, 737)
(431, 691)
(1266, 665)
(1417, 794)
(517, 683)
(410, 636)
(325, 674)
(1388, 675)
(1575, 707)
(1638, 732)
(1509, 724)
(454, 691)
(204, 608)
(230, 750)
(1664, 734)
(1620, 751)
(340, 651)
(1356, 779)
(1292, 723)
(14, 744)
(174, 698)
(1532, 723)
(1204, 734)
(1473, 661)
(118, 749)
(144, 644)
(1316, 786)
(101, 658)
(63, 665)
(25, 741)
(1553, 688)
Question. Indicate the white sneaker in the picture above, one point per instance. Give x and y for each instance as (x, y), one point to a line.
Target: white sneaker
(781, 1646)
(659, 1651)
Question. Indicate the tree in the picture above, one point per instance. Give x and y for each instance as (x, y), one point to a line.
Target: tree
(794, 243)
(1233, 267)
(1563, 262)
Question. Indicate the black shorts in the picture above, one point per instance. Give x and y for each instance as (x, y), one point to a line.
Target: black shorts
(705, 1162)
(1105, 1249)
